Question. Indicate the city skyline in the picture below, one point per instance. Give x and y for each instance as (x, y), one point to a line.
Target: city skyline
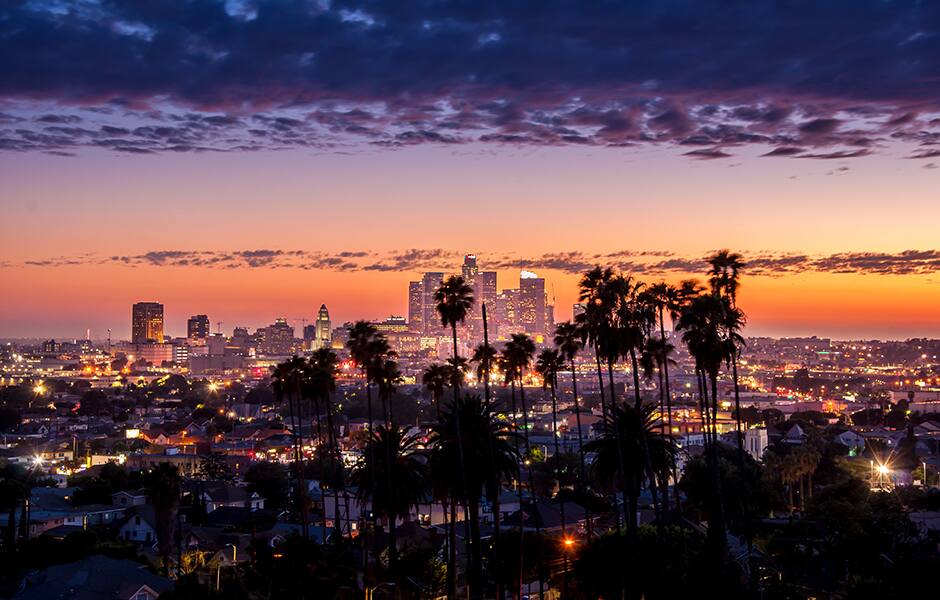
(180, 308)
(273, 192)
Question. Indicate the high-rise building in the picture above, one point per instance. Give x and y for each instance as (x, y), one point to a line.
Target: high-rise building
(416, 306)
(197, 327)
(324, 331)
(276, 339)
(506, 313)
(147, 323)
(532, 303)
(470, 269)
(430, 282)
(484, 291)
(310, 334)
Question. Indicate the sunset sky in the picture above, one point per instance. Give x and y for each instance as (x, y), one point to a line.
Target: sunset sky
(251, 160)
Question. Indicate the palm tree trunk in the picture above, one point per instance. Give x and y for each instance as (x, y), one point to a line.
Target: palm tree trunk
(496, 525)
(717, 518)
(664, 477)
(293, 405)
(577, 416)
(621, 472)
(648, 463)
(393, 545)
(668, 391)
(564, 530)
(452, 551)
(528, 450)
(476, 589)
(369, 415)
(521, 513)
(600, 381)
(335, 472)
(486, 358)
(460, 453)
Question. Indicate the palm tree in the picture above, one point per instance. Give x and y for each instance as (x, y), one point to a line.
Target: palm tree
(321, 379)
(640, 442)
(435, 379)
(162, 485)
(548, 364)
(288, 383)
(672, 299)
(484, 356)
(656, 357)
(454, 299)
(701, 325)
(723, 279)
(366, 346)
(394, 484)
(386, 376)
(594, 321)
(519, 352)
(569, 342)
(487, 458)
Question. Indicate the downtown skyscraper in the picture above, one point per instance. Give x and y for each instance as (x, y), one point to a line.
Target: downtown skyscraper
(147, 323)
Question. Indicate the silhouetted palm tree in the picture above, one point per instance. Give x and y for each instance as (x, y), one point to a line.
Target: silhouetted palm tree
(321, 379)
(162, 485)
(484, 356)
(454, 299)
(656, 358)
(701, 325)
(288, 383)
(367, 346)
(568, 341)
(548, 364)
(436, 378)
(520, 350)
(594, 320)
(386, 376)
(638, 432)
(394, 483)
(723, 279)
(487, 458)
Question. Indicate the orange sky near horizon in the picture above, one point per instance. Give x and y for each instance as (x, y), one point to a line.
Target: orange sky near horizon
(524, 201)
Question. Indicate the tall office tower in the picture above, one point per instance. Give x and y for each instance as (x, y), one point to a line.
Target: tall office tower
(484, 290)
(197, 327)
(507, 312)
(310, 334)
(470, 269)
(430, 319)
(416, 306)
(532, 303)
(324, 334)
(147, 323)
(576, 309)
(470, 273)
(276, 339)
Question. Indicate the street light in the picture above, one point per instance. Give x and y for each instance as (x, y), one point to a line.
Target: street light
(218, 572)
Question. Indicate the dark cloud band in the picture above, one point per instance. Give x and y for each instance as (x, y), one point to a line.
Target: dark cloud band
(826, 80)
(650, 262)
